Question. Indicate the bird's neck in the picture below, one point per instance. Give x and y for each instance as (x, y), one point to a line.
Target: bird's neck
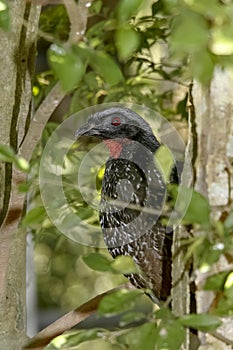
(115, 146)
(149, 141)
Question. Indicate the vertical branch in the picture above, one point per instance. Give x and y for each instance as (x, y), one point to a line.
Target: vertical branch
(214, 107)
(181, 301)
(40, 120)
(180, 279)
(18, 50)
(78, 14)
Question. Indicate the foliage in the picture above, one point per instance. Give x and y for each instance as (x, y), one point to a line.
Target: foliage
(116, 53)
(99, 262)
(194, 31)
(68, 67)
(119, 301)
(74, 339)
(8, 155)
(168, 334)
(55, 21)
(131, 52)
(198, 211)
(202, 32)
(4, 15)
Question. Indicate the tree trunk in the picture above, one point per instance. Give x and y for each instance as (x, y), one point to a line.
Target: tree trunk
(17, 68)
(213, 126)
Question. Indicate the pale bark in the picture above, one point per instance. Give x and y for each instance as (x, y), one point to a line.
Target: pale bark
(17, 57)
(181, 292)
(180, 279)
(19, 130)
(78, 24)
(213, 126)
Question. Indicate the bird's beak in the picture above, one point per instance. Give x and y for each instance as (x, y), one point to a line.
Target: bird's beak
(86, 130)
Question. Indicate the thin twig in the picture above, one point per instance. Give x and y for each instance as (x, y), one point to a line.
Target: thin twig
(172, 80)
(223, 339)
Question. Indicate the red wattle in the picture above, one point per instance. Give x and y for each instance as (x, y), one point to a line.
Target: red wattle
(115, 147)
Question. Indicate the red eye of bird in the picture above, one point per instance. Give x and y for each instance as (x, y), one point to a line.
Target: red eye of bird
(116, 121)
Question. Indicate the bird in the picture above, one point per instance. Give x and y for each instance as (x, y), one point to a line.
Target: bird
(133, 196)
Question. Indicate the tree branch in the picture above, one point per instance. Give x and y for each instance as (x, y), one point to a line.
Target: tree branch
(18, 49)
(15, 206)
(69, 320)
(223, 339)
(213, 124)
(40, 120)
(78, 14)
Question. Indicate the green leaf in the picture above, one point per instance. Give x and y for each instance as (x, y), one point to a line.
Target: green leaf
(189, 33)
(131, 317)
(127, 8)
(4, 15)
(202, 322)
(120, 265)
(216, 282)
(90, 80)
(85, 213)
(224, 306)
(67, 65)
(66, 341)
(206, 253)
(170, 335)
(165, 161)
(98, 262)
(222, 41)
(119, 301)
(164, 314)
(103, 64)
(127, 41)
(7, 154)
(24, 187)
(204, 71)
(142, 337)
(124, 265)
(198, 210)
(34, 217)
(22, 164)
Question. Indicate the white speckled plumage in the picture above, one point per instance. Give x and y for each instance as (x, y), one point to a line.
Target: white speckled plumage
(133, 195)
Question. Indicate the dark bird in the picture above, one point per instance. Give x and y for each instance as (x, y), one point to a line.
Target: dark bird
(133, 196)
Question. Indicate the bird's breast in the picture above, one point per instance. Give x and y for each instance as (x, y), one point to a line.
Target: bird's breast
(131, 200)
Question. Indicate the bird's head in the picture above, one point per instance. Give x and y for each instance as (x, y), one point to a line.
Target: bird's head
(116, 126)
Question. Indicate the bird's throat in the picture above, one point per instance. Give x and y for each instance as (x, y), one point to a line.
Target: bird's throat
(115, 146)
